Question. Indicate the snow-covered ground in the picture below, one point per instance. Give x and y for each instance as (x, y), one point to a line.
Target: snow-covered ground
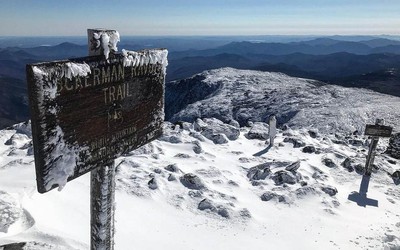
(304, 210)
(210, 185)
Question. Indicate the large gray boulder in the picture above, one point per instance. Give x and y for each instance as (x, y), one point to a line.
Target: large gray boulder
(210, 127)
(259, 130)
(259, 172)
(192, 181)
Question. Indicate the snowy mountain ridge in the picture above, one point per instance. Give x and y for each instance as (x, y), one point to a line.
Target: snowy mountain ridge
(245, 95)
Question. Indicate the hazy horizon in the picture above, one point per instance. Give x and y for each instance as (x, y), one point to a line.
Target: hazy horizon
(205, 18)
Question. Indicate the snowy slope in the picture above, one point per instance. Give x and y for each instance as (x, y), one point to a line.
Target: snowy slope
(245, 95)
(207, 185)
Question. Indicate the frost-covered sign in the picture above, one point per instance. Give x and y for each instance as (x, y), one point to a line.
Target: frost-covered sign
(378, 130)
(88, 111)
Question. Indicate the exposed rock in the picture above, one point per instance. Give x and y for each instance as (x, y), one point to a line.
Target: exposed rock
(305, 191)
(396, 174)
(359, 168)
(14, 246)
(355, 142)
(192, 181)
(329, 190)
(267, 196)
(209, 172)
(313, 133)
(319, 175)
(303, 183)
(259, 172)
(347, 164)
(10, 211)
(197, 147)
(283, 176)
(245, 213)
(259, 130)
(234, 123)
(209, 127)
(157, 171)
(171, 139)
(182, 156)
(329, 163)
(195, 194)
(172, 168)
(394, 146)
(218, 138)
(152, 184)
(233, 183)
(297, 143)
(222, 211)
(206, 204)
(197, 136)
(199, 124)
(171, 177)
(293, 166)
(308, 149)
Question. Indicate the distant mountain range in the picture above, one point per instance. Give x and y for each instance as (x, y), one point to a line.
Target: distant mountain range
(366, 62)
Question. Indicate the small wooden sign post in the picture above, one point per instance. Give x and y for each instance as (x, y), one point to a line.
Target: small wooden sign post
(375, 131)
(88, 111)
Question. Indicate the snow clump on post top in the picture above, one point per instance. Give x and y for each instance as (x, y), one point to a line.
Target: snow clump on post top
(103, 41)
(146, 57)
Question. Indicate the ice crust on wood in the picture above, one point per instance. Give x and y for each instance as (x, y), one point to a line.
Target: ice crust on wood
(62, 156)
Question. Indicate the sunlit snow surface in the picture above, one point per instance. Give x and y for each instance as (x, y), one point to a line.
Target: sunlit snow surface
(155, 210)
(245, 95)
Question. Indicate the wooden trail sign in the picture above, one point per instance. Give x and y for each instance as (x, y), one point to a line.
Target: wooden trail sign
(376, 131)
(88, 111)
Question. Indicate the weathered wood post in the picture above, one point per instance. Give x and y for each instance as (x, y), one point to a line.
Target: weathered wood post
(102, 179)
(88, 111)
(375, 131)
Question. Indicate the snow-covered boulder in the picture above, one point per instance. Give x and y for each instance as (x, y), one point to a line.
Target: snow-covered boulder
(394, 146)
(297, 143)
(259, 130)
(329, 163)
(206, 204)
(219, 138)
(283, 176)
(10, 211)
(329, 190)
(259, 172)
(192, 181)
(209, 127)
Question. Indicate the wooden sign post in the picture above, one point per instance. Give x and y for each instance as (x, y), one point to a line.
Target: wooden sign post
(88, 111)
(375, 131)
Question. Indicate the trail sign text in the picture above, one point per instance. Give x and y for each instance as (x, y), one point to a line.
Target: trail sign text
(88, 111)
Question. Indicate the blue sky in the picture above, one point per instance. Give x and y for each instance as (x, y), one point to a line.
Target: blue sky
(201, 17)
